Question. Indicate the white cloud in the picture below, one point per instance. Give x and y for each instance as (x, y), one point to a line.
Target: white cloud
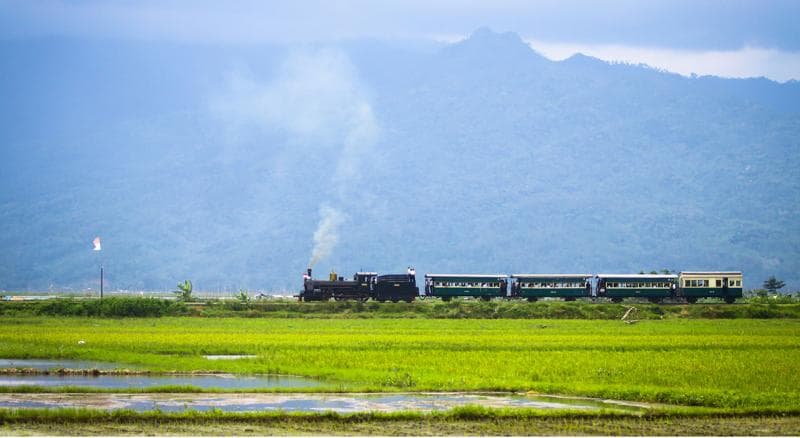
(743, 63)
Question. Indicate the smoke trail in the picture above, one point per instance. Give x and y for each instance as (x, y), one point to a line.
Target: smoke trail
(327, 234)
(315, 97)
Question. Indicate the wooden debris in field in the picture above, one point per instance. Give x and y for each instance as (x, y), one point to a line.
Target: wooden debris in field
(625, 316)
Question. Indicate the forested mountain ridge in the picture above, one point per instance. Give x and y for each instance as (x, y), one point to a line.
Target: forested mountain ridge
(487, 157)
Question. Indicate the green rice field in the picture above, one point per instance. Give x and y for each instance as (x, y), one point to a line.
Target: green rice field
(728, 364)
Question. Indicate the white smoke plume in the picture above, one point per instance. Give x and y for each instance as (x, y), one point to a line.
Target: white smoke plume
(327, 234)
(317, 98)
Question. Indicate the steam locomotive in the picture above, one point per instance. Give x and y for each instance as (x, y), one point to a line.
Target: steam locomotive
(688, 286)
(363, 286)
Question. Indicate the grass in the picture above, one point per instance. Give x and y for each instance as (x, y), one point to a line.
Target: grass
(462, 421)
(758, 308)
(731, 364)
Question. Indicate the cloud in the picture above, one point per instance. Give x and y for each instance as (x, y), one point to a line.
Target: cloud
(743, 63)
(708, 24)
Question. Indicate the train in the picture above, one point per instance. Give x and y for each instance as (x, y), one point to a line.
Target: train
(687, 286)
(363, 286)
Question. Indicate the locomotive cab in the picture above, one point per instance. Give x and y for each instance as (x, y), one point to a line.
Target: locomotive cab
(365, 279)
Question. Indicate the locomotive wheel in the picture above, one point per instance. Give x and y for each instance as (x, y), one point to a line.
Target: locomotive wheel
(410, 300)
(363, 299)
(395, 300)
(616, 300)
(691, 300)
(532, 299)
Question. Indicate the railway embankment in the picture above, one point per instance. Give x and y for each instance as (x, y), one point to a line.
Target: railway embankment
(429, 308)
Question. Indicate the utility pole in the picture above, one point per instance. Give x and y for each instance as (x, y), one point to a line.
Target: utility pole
(97, 248)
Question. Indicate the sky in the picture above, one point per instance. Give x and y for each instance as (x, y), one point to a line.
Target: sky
(732, 38)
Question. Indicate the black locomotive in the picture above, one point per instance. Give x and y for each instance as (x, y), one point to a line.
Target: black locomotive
(363, 286)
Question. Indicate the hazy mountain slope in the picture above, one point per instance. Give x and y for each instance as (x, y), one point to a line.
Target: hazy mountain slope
(490, 158)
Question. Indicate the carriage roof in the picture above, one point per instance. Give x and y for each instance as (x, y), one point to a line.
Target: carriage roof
(551, 275)
(466, 276)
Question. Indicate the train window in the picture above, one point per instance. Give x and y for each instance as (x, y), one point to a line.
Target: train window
(738, 283)
(719, 283)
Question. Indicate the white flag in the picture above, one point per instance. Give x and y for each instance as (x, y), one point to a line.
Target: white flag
(96, 243)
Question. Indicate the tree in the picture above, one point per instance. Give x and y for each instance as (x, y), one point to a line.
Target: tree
(184, 291)
(773, 284)
(243, 296)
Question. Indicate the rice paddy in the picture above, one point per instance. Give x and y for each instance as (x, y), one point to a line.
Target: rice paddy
(723, 364)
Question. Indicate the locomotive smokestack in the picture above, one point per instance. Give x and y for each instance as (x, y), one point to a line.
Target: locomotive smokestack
(309, 272)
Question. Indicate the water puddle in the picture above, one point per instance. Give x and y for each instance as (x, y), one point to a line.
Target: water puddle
(205, 381)
(342, 403)
(229, 356)
(54, 364)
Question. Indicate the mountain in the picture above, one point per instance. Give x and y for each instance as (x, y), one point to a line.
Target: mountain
(213, 163)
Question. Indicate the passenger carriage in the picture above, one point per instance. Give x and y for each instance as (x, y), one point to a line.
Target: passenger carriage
(709, 284)
(535, 286)
(654, 287)
(447, 286)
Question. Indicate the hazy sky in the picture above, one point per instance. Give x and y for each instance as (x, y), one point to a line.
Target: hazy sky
(724, 37)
